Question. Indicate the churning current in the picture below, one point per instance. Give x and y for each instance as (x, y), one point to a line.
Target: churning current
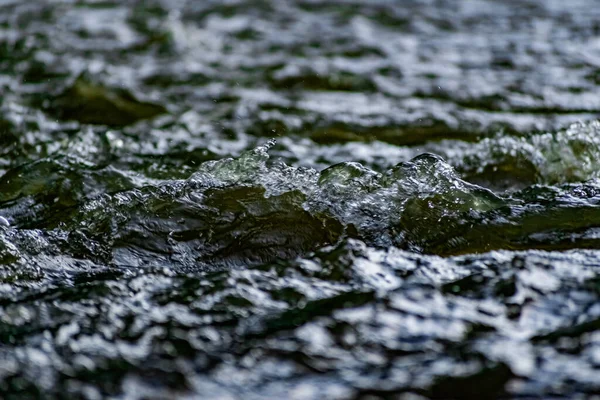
(308, 199)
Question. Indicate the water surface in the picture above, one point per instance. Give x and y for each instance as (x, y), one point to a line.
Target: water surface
(426, 223)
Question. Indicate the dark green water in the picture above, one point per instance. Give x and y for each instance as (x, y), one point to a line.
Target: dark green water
(426, 224)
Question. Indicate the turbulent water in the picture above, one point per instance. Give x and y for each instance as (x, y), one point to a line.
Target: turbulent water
(299, 199)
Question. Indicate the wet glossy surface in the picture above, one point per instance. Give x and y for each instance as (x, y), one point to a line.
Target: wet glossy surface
(426, 225)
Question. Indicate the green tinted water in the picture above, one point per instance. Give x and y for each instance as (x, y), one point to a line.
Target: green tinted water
(427, 222)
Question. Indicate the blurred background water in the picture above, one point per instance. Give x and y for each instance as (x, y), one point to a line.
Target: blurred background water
(426, 223)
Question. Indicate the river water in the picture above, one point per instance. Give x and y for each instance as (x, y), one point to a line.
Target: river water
(316, 199)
